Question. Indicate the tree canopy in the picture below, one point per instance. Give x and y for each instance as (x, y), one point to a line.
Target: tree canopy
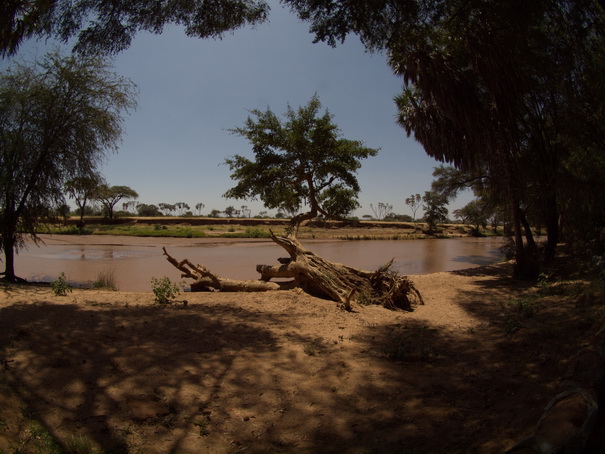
(435, 210)
(299, 161)
(82, 190)
(58, 120)
(108, 26)
(507, 89)
(109, 196)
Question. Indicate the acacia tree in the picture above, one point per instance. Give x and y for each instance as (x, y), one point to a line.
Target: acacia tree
(57, 121)
(82, 190)
(109, 196)
(303, 161)
(181, 208)
(230, 211)
(475, 212)
(382, 210)
(146, 210)
(130, 205)
(246, 212)
(434, 208)
(299, 161)
(414, 202)
(166, 208)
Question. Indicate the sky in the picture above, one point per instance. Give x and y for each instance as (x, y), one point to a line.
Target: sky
(191, 91)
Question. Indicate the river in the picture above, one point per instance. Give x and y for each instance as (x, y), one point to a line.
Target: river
(134, 261)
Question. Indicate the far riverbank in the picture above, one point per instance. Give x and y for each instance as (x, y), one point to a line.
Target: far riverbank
(203, 227)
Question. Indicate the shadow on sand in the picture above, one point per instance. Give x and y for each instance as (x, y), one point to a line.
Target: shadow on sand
(230, 378)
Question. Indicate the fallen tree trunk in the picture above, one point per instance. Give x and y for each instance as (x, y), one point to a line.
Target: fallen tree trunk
(205, 281)
(316, 276)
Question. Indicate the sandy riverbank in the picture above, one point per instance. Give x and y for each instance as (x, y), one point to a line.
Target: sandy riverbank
(283, 372)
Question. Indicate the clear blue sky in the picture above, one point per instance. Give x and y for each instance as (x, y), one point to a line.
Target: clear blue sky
(191, 91)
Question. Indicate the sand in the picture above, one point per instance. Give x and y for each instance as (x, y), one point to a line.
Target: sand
(283, 372)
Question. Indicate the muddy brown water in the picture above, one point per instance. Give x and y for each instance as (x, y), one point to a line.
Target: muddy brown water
(134, 261)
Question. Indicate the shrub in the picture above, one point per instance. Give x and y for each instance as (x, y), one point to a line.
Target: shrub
(517, 310)
(60, 286)
(412, 344)
(256, 232)
(165, 290)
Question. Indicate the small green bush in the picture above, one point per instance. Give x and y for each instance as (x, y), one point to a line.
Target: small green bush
(60, 286)
(517, 311)
(72, 230)
(165, 290)
(526, 307)
(255, 232)
(79, 444)
(412, 344)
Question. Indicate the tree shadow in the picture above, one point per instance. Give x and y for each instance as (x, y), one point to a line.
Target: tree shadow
(228, 377)
(78, 368)
(480, 260)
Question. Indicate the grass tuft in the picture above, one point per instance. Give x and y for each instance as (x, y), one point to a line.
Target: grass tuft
(106, 279)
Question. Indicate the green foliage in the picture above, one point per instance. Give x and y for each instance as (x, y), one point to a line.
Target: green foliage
(526, 307)
(435, 210)
(509, 92)
(411, 344)
(300, 160)
(145, 210)
(82, 190)
(203, 425)
(41, 440)
(475, 212)
(392, 217)
(72, 230)
(230, 211)
(60, 286)
(58, 118)
(106, 26)
(109, 196)
(164, 290)
(518, 310)
(79, 444)
(250, 232)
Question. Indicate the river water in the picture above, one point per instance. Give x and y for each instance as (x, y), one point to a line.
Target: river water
(134, 261)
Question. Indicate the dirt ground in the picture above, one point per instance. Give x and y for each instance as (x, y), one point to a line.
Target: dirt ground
(283, 372)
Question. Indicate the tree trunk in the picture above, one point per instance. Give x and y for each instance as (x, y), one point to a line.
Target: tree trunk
(518, 236)
(552, 229)
(9, 259)
(529, 236)
(316, 276)
(9, 245)
(526, 266)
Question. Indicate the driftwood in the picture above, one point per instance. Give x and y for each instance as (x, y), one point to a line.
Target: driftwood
(206, 281)
(316, 276)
